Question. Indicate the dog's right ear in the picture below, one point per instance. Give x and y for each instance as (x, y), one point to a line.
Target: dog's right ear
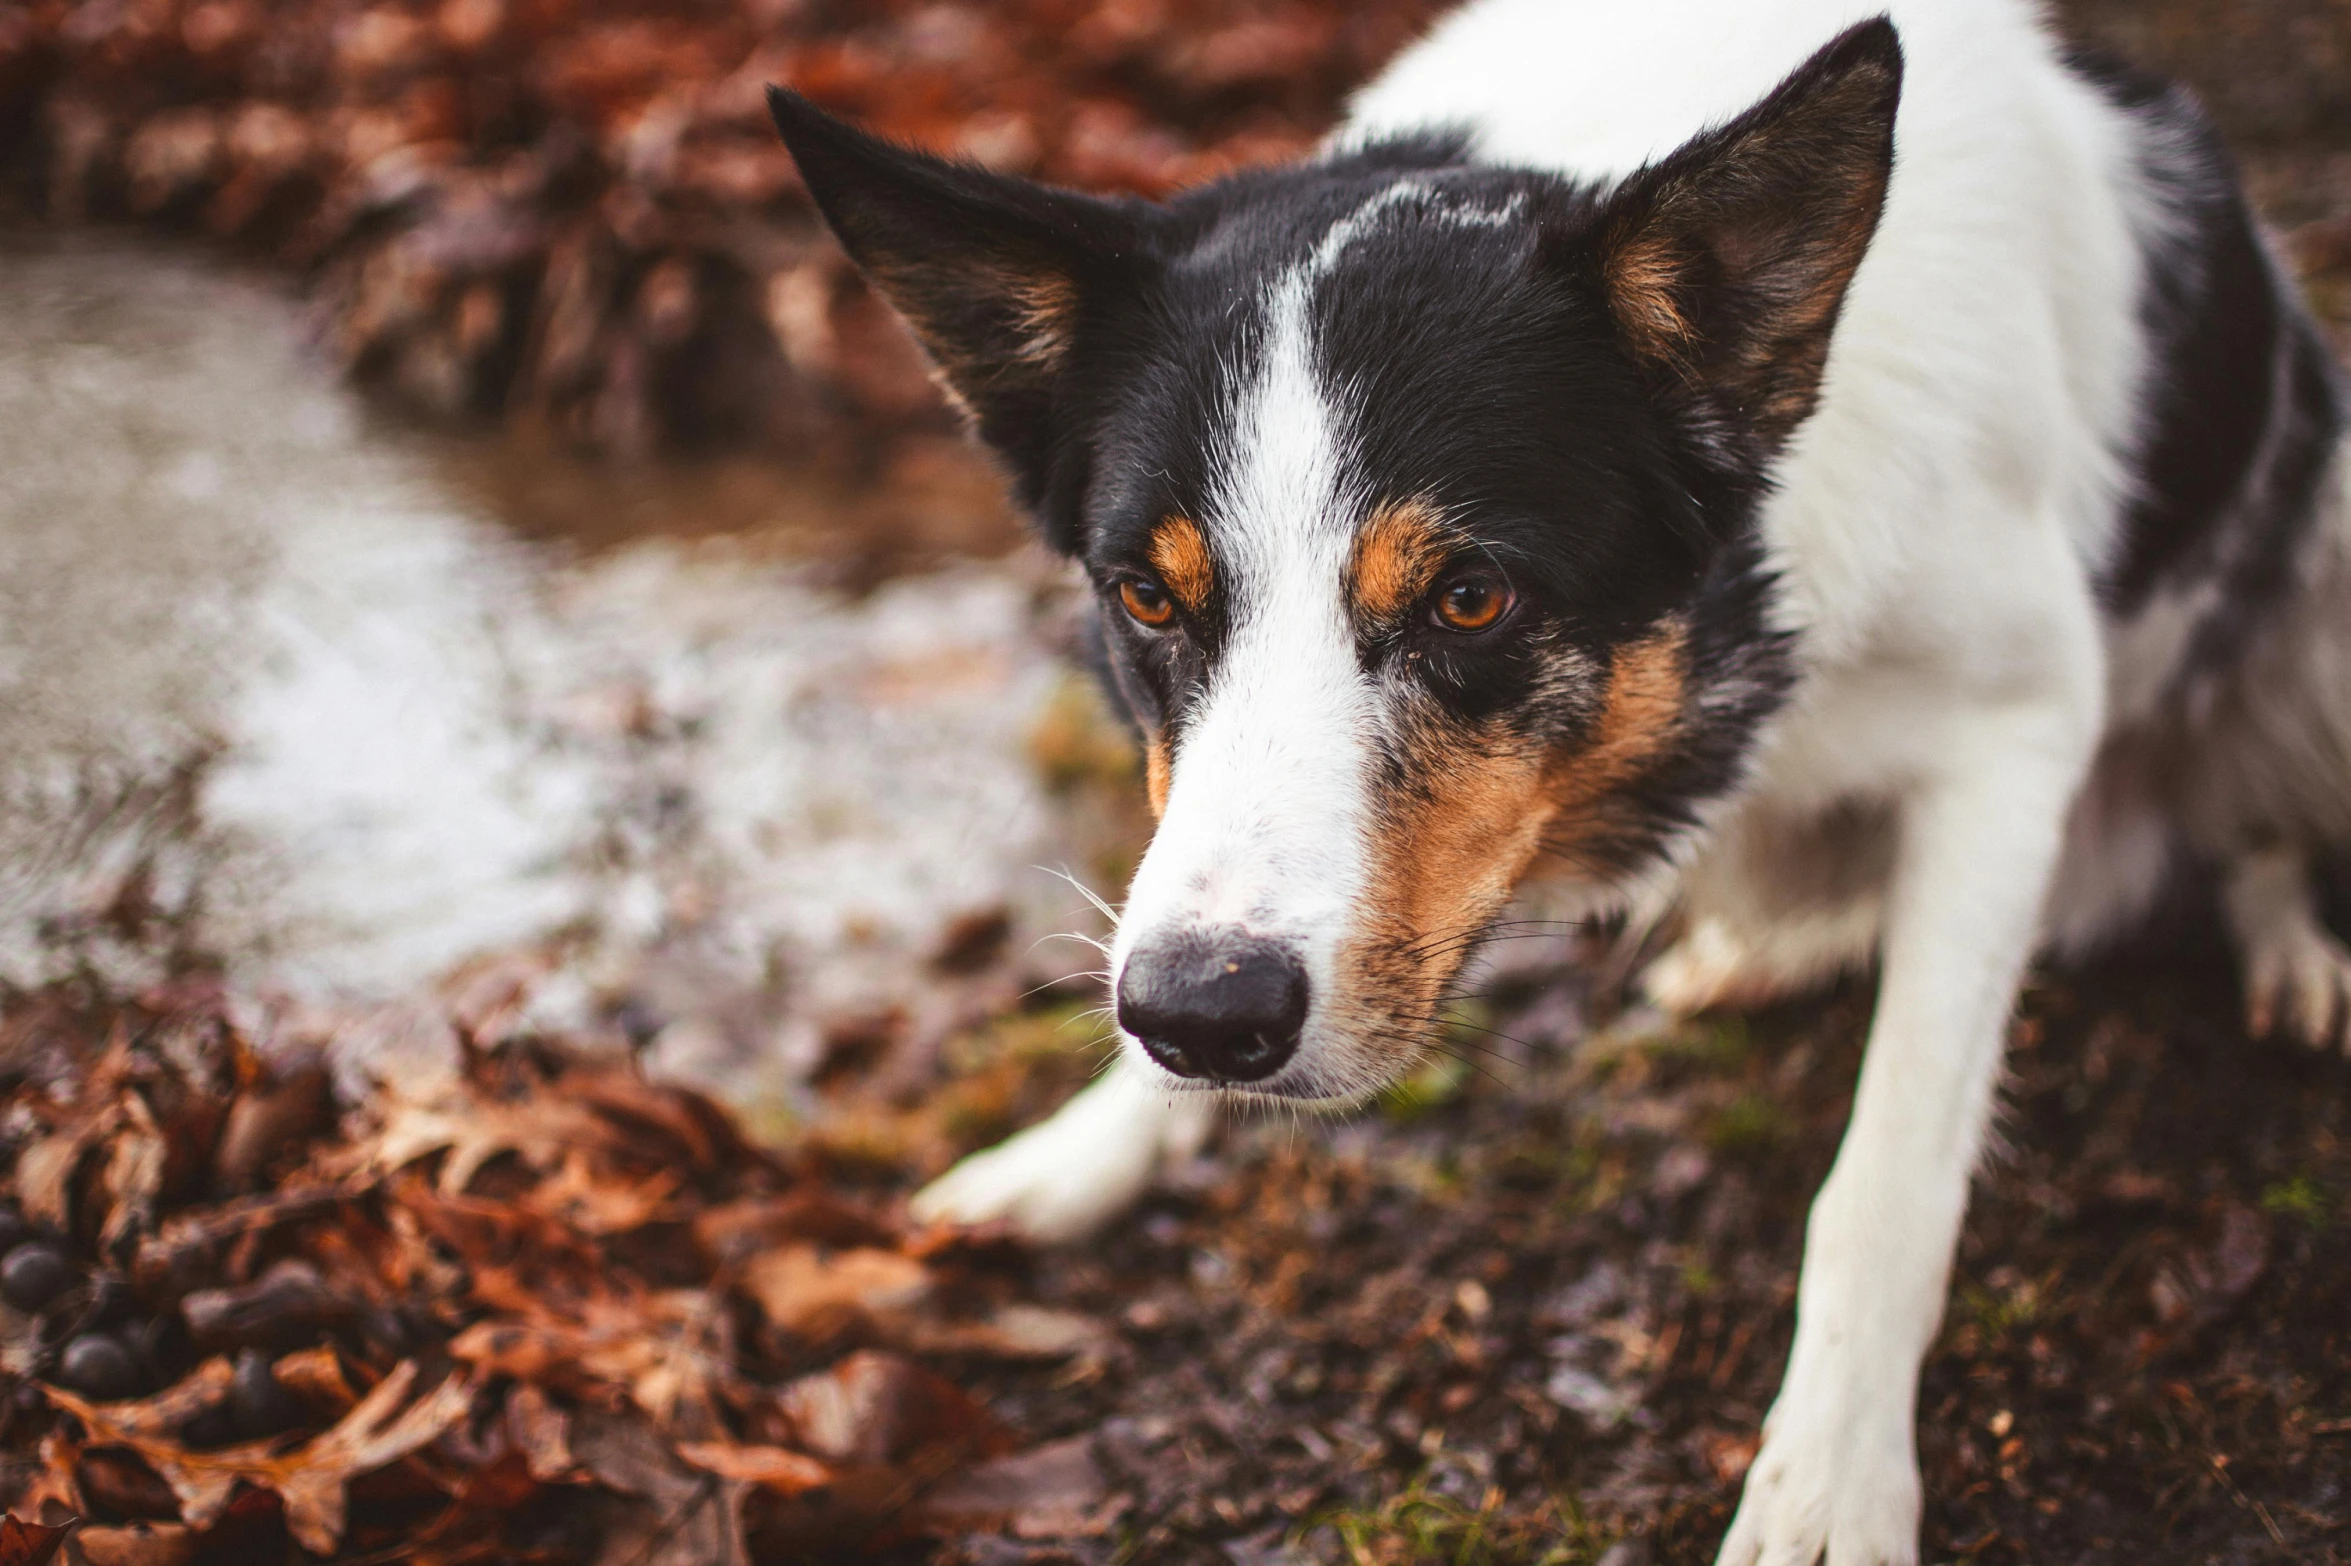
(994, 273)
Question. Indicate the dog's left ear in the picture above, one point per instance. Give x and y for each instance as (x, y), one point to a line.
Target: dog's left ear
(992, 272)
(1726, 262)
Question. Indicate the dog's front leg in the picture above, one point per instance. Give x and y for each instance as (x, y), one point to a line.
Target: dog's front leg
(1838, 1471)
(1070, 1173)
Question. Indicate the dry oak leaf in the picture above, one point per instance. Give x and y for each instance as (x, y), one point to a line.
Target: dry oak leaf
(540, 1130)
(45, 1170)
(541, 1433)
(811, 1293)
(1013, 1332)
(575, 1194)
(133, 1177)
(880, 1408)
(311, 1478)
(136, 1544)
(27, 1543)
(660, 1348)
(770, 1467)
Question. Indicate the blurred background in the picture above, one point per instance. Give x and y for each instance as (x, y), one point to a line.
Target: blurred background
(474, 557)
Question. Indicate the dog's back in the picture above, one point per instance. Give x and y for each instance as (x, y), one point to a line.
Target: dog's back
(2067, 335)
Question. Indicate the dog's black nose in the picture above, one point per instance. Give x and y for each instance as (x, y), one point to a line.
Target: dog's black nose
(1214, 1004)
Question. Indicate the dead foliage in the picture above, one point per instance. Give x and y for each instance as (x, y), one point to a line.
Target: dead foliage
(577, 208)
(1533, 1313)
(544, 1311)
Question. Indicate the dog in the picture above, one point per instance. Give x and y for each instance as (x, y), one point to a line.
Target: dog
(1856, 485)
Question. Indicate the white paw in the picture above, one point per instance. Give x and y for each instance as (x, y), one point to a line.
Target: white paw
(1827, 1487)
(2298, 981)
(1708, 967)
(1065, 1177)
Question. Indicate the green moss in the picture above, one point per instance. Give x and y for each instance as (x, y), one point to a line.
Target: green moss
(1713, 1043)
(2301, 1199)
(1749, 1124)
(1438, 1082)
(1421, 1526)
(1048, 1033)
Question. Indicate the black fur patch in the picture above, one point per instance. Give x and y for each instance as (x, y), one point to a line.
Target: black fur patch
(2242, 408)
(1480, 344)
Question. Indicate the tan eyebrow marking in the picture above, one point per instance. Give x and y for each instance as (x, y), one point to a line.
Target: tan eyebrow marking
(1179, 553)
(1395, 558)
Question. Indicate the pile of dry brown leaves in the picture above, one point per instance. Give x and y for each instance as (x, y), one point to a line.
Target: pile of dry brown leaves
(576, 208)
(545, 1311)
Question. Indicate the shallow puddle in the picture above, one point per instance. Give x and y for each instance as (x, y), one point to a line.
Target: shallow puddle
(718, 751)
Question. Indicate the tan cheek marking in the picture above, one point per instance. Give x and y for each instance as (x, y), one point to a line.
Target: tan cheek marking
(1158, 766)
(1179, 553)
(1445, 859)
(1396, 556)
(1647, 690)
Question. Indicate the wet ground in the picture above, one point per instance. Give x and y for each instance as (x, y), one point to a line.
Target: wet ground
(715, 753)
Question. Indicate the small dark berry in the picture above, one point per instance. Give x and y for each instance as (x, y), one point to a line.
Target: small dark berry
(259, 1404)
(14, 1231)
(215, 1426)
(97, 1365)
(34, 1274)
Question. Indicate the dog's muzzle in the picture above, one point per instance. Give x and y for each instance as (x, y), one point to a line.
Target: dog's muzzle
(1218, 1005)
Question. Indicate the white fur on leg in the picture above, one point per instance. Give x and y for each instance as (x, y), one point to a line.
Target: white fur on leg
(1071, 1173)
(1837, 1475)
(2297, 975)
(1719, 963)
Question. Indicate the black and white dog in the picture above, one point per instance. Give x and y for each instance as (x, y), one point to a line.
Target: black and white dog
(1876, 503)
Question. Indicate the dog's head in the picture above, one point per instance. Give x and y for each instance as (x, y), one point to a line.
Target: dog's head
(1418, 496)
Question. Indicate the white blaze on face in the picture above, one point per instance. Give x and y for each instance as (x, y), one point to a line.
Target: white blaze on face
(1265, 825)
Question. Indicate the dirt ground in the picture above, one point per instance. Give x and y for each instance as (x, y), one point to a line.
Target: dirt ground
(1540, 1317)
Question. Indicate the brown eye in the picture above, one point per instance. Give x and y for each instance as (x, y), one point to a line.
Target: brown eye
(1147, 602)
(1472, 603)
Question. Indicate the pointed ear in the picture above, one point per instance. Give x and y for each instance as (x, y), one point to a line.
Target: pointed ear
(1726, 262)
(992, 272)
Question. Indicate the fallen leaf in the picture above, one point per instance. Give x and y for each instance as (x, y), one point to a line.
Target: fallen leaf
(541, 1433)
(1015, 1332)
(310, 1479)
(601, 1204)
(133, 1177)
(876, 1407)
(136, 1544)
(27, 1543)
(738, 1231)
(472, 1131)
(1050, 1492)
(186, 1242)
(815, 1294)
(770, 1467)
(160, 1417)
(266, 1119)
(45, 1170)
(316, 1374)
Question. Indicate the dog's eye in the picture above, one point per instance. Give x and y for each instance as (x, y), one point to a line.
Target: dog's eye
(1148, 602)
(1472, 603)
